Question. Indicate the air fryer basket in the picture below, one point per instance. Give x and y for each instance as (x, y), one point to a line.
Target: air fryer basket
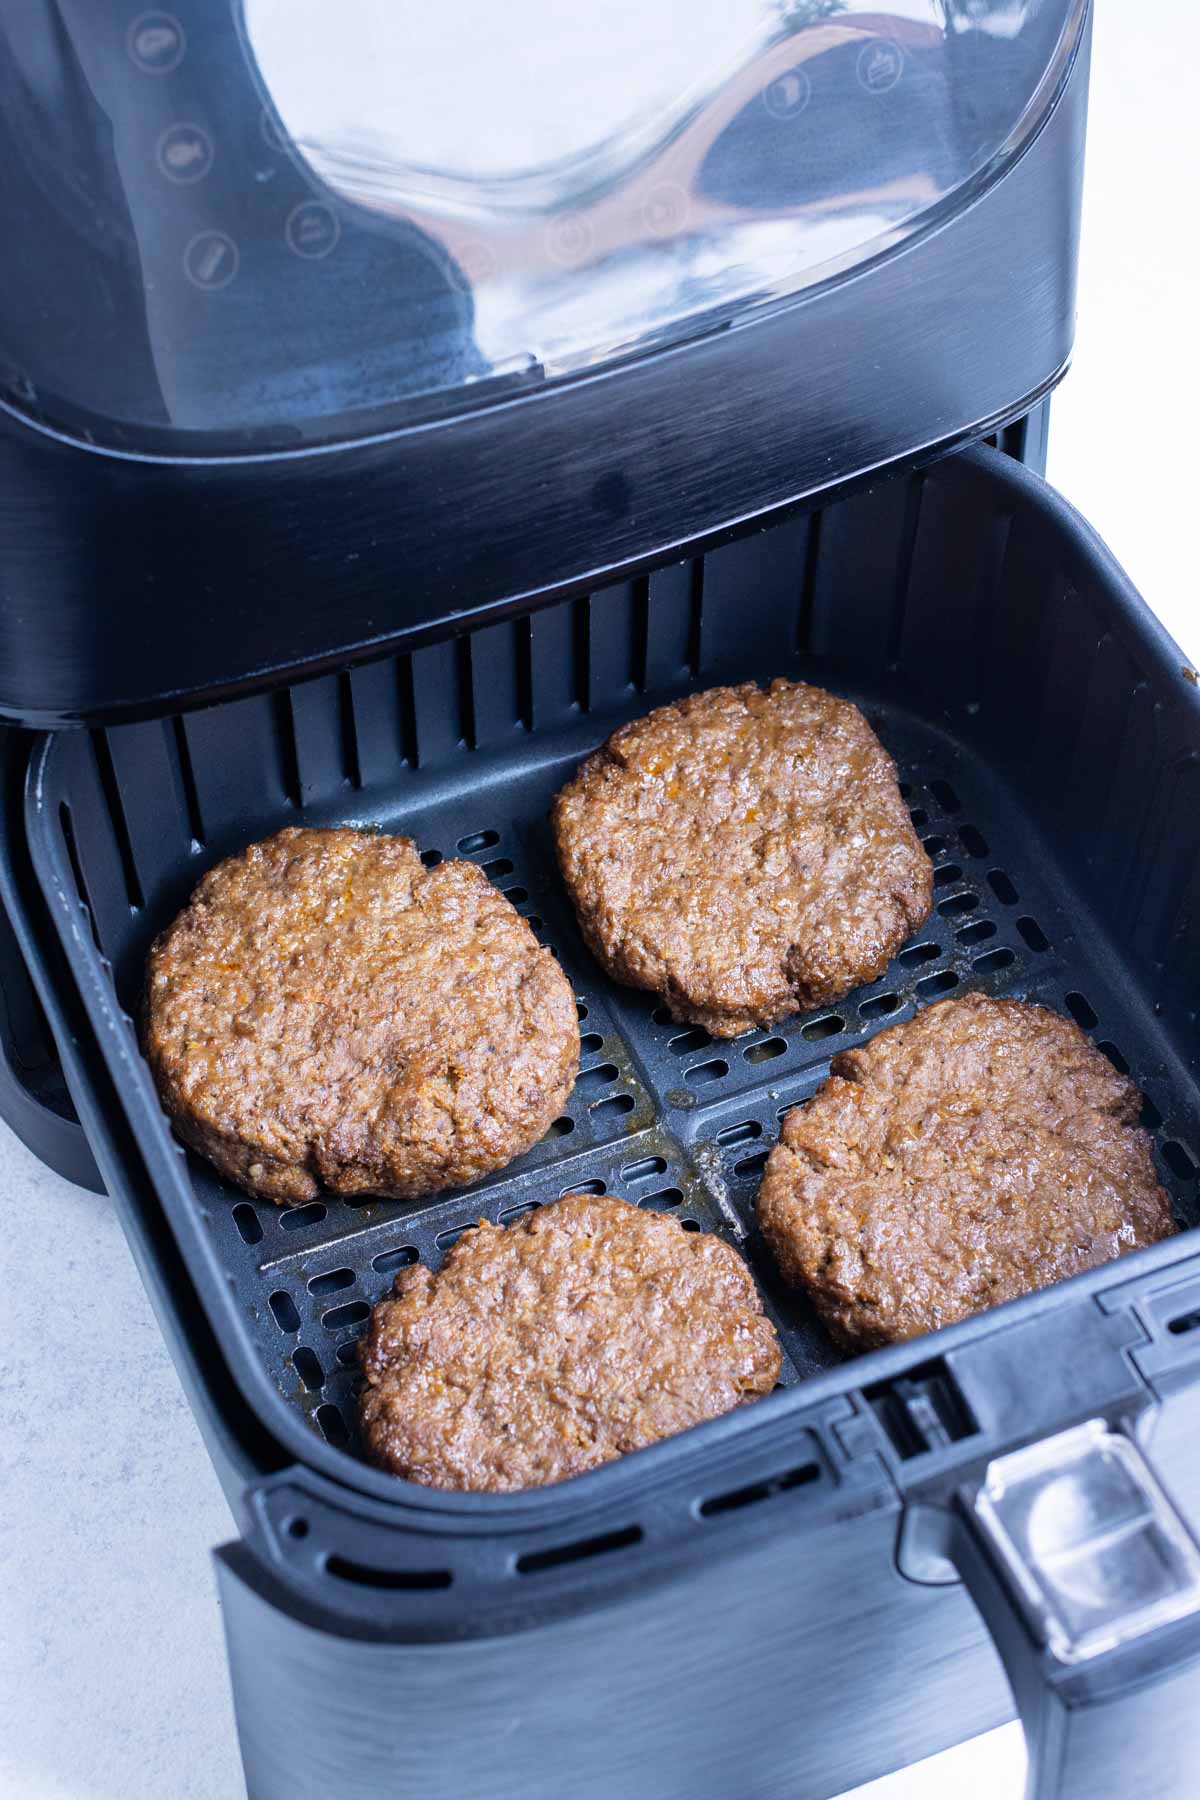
(1049, 751)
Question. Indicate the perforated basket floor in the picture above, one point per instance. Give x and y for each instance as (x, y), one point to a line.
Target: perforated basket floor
(662, 1115)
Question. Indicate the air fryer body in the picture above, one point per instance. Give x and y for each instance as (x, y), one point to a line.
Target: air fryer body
(420, 620)
(788, 1670)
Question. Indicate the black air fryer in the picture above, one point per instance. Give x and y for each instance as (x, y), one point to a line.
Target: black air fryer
(394, 403)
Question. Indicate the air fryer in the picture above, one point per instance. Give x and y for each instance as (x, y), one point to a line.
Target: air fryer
(390, 455)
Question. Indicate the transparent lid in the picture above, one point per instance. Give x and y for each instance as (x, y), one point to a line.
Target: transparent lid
(286, 221)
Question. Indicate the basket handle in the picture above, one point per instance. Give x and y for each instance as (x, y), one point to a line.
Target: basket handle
(1089, 1581)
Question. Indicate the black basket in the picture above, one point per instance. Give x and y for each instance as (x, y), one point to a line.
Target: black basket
(980, 660)
(1048, 738)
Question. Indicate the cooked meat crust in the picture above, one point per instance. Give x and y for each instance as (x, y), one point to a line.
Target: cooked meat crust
(974, 1153)
(327, 1012)
(746, 854)
(540, 1350)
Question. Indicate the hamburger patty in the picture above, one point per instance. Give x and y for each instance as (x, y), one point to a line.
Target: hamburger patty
(974, 1153)
(538, 1351)
(327, 1012)
(744, 854)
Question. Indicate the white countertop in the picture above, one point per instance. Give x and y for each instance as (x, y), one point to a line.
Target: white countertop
(112, 1666)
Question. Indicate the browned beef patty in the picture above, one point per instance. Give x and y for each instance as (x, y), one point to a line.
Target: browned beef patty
(744, 854)
(585, 1330)
(327, 1012)
(974, 1153)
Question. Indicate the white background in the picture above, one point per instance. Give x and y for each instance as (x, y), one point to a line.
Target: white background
(112, 1671)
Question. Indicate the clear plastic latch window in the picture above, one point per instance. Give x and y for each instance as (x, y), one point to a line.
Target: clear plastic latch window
(1090, 1541)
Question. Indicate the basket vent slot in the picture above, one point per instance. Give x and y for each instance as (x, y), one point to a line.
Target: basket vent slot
(1082, 1011)
(534, 1561)
(1003, 886)
(406, 686)
(524, 671)
(1033, 934)
(696, 623)
(1178, 1160)
(733, 1135)
(331, 1282)
(295, 1218)
(581, 626)
(187, 775)
(355, 1312)
(308, 1368)
(663, 1201)
(957, 904)
(342, 1568)
(466, 693)
(643, 1170)
(613, 1107)
(808, 586)
(351, 762)
(599, 1076)
(945, 796)
(702, 1073)
(519, 1212)
(333, 1426)
(283, 1310)
(823, 1028)
(476, 841)
(736, 1498)
(249, 1226)
(116, 812)
(389, 1260)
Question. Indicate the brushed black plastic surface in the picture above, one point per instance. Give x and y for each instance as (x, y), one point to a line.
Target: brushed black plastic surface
(790, 1670)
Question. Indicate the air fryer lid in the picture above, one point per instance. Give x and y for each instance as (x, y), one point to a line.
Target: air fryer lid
(330, 331)
(280, 221)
